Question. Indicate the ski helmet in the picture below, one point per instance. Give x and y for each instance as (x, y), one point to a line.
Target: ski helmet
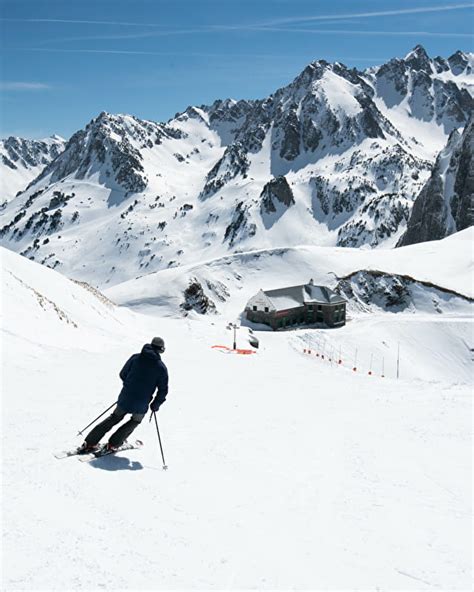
(159, 344)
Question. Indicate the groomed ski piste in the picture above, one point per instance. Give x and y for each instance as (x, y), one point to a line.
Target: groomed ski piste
(285, 471)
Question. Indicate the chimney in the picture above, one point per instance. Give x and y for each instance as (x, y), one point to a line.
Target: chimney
(311, 283)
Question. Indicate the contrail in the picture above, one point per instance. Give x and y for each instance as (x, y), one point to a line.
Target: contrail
(373, 14)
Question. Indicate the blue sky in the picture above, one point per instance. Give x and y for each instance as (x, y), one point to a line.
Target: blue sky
(64, 61)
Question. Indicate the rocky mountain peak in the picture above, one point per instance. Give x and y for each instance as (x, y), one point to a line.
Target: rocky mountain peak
(418, 59)
(228, 110)
(313, 71)
(460, 63)
(429, 87)
(105, 145)
(111, 145)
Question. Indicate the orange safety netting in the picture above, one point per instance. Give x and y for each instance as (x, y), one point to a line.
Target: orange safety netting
(227, 350)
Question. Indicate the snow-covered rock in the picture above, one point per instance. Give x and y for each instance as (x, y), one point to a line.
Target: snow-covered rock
(371, 290)
(110, 147)
(22, 161)
(445, 204)
(426, 90)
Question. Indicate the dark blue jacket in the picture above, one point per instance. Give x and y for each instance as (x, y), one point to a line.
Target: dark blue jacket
(141, 375)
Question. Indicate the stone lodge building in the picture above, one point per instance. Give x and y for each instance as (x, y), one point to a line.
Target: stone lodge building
(297, 305)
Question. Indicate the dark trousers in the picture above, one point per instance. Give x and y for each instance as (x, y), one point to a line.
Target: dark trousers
(120, 435)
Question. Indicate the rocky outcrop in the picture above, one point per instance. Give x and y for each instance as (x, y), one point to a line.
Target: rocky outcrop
(239, 227)
(20, 152)
(377, 220)
(22, 160)
(459, 63)
(445, 204)
(233, 163)
(196, 299)
(368, 289)
(276, 191)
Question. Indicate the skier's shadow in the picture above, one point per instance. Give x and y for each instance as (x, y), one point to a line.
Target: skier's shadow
(116, 463)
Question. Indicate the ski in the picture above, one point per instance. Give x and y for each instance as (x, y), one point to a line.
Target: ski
(67, 453)
(104, 452)
(79, 452)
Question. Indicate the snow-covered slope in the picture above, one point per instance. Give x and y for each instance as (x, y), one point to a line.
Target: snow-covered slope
(229, 282)
(285, 471)
(40, 305)
(22, 161)
(352, 149)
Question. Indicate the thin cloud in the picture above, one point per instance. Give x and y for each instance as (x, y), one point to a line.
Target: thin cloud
(23, 86)
(360, 32)
(275, 25)
(190, 54)
(80, 22)
(118, 51)
(372, 14)
(165, 33)
(180, 54)
(141, 35)
(280, 21)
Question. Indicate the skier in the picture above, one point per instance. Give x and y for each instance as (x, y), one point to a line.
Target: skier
(141, 375)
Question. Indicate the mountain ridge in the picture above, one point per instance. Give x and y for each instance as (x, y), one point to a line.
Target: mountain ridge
(354, 148)
(22, 160)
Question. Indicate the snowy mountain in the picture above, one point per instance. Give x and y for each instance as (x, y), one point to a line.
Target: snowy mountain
(22, 161)
(336, 157)
(438, 91)
(445, 204)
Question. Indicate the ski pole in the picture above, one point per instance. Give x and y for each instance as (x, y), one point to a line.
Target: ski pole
(159, 440)
(98, 417)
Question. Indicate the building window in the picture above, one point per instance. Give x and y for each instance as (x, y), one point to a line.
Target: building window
(310, 307)
(254, 308)
(266, 309)
(320, 307)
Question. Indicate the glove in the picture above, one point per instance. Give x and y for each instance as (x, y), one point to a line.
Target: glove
(155, 405)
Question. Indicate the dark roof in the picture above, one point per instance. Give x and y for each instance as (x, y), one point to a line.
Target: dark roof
(294, 296)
